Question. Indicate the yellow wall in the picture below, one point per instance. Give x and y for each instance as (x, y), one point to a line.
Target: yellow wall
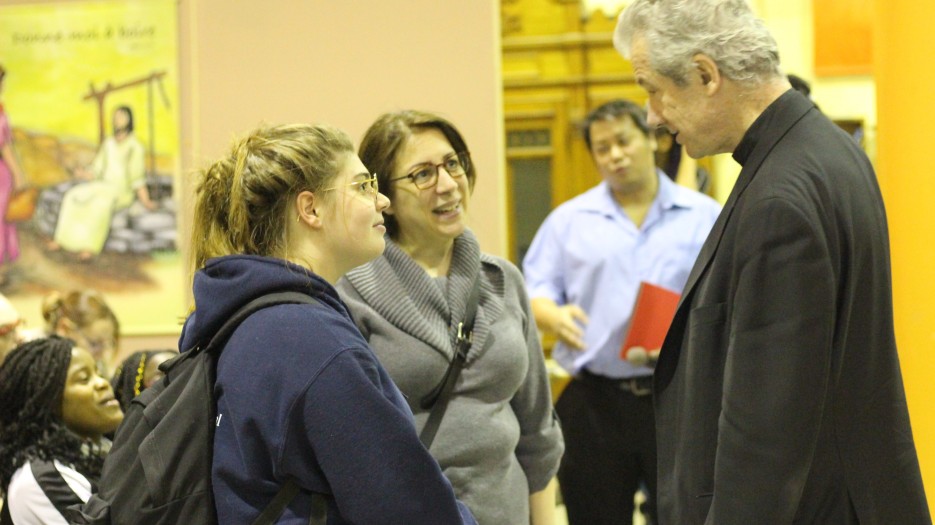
(839, 97)
(906, 107)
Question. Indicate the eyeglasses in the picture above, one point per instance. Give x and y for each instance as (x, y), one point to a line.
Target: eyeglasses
(368, 188)
(425, 175)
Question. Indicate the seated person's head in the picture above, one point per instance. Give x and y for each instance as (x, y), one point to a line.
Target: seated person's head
(123, 120)
(84, 316)
(138, 372)
(53, 405)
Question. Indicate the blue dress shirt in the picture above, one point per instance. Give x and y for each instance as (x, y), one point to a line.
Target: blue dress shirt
(589, 252)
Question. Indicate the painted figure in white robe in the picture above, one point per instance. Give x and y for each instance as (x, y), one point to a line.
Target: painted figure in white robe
(115, 178)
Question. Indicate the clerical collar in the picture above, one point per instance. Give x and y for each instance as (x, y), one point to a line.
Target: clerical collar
(760, 125)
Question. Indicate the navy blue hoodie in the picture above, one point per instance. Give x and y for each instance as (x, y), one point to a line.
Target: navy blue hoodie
(301, 395)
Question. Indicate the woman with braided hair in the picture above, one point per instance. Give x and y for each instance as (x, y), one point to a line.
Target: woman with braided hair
(54, 412)
(138, 372)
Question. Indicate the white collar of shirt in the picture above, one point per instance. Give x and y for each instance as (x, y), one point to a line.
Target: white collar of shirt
(668, 196)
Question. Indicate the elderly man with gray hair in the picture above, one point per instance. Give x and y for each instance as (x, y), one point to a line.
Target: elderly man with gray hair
(778, 393)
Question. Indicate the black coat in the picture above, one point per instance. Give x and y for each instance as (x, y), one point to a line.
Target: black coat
(778, 393)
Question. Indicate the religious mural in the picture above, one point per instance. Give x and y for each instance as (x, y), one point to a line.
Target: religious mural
(90, 106)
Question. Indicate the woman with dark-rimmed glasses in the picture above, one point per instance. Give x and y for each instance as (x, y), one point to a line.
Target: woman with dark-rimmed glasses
(300, 396)
(497, 439)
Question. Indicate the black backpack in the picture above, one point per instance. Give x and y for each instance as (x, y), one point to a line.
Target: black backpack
(159, 468)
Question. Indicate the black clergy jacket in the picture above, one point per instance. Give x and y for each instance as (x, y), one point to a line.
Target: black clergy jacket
(778, 393)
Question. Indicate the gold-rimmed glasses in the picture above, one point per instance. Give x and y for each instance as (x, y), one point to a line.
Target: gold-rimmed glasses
(365, 188)
(425, 175)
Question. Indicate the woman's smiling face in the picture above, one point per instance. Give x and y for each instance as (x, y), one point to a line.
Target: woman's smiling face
(435, 214)
(88, 405)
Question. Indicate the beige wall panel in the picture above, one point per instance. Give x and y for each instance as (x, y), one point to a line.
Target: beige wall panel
(345, 63)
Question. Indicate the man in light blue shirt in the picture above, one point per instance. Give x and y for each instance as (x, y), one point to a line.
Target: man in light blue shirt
(583, 272)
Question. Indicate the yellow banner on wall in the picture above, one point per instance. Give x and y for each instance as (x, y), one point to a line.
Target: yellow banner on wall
(90, 97)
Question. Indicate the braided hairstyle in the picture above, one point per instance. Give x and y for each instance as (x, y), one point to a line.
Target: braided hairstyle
(32, 383)
(128, 380)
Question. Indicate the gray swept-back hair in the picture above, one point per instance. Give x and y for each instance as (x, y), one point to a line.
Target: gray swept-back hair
(727, 31)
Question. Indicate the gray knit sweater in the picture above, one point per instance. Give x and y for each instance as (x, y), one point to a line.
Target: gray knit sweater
(499, 440)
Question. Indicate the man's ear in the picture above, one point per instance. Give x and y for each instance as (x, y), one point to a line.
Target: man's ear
(307, 209)
(708, 73)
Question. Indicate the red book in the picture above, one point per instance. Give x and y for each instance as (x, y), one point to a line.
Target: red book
(652, 315)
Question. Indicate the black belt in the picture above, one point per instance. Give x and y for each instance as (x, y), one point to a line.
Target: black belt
(638, 386)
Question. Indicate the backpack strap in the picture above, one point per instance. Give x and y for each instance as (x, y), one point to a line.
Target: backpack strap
(290, 488)
(319, 514)
(288, 492)
(54, 486)
(220, 337)
(283, 498)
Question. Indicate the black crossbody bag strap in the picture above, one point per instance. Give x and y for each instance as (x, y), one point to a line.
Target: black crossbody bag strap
(438, 398)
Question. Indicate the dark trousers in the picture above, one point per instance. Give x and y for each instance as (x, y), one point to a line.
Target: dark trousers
(610, 448)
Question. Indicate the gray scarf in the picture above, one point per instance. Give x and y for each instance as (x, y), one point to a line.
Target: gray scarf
(398, 289)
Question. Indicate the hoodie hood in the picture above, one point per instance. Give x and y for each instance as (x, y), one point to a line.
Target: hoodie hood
(227, 283)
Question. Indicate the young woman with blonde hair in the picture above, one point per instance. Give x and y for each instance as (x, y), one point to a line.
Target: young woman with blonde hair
(299, 393)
